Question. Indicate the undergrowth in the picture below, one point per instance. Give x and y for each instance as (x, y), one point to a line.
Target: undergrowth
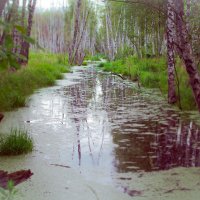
(9, 193)
(96, 57)
(42, 70)
(152, 73)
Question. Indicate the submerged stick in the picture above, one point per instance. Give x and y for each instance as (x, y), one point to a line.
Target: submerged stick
(16, 177)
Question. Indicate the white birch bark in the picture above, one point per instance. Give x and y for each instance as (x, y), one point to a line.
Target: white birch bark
(172, 98)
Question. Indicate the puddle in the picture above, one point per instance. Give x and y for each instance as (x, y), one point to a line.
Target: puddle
(103, 130)
(137, 132)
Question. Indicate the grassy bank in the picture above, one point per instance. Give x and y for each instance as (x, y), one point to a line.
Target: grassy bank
(152, 73)
(42, 70)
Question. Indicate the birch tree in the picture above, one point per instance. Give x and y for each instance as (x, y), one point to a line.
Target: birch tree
(75, 31)
(82, 29)
(185, 50)
(172, 98)
(25, 44)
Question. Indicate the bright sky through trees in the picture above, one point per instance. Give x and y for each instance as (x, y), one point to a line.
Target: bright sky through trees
(56, 3)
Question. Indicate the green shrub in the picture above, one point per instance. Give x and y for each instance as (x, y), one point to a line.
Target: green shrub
(101, 65)
(84, 63)
(62, 59)
(16, 143)
(42, 70)
(124, 52)
(96, 57)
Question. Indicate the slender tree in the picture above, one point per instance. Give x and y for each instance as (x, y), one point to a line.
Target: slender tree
(76, 30)
(185, 50)
(172, 98)
(26, 45)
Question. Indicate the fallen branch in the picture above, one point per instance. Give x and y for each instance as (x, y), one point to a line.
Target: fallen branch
(16, 177)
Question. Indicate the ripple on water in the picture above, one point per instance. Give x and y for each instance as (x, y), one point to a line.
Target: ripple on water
(144, 129)
(100, 125)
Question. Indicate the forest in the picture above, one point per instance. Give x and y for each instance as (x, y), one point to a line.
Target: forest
(99, 99)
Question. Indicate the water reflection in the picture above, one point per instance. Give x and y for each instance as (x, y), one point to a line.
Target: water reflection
(87, 114)
(147, 135)
(158, 148)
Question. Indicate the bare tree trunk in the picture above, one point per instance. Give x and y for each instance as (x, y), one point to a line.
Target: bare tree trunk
(23, 26)
(110, 38)
(172, 98)
(2, 6)
(188, 12)
(26, 45)
(117, 32)
(16, 35)
(112, 42)
(75, 56)
(185, 51)
(76, 30)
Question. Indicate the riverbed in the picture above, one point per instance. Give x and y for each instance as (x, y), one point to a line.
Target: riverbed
(100, 137)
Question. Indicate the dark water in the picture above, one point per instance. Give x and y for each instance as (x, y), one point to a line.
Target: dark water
(137, 128)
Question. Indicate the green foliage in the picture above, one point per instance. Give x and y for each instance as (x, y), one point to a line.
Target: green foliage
(187, 99)
(124, 52)
(42, 71)
(16, 143)
(63, 59)
(96, 57)
(100, 65)
(152, 73)
(7, 57)
(8, 194)
(85, 63)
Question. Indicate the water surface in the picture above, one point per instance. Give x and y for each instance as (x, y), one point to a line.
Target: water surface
(105, 129)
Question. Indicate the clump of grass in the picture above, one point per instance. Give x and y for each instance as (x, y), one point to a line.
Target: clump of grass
(84, 63)
(95, 58)
(42, 70)
(63, 59)
(100, 65)
(16, 143)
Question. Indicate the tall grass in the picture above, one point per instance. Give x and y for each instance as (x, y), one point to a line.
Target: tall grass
(152, 73)
(16, 143)
(42, 70)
